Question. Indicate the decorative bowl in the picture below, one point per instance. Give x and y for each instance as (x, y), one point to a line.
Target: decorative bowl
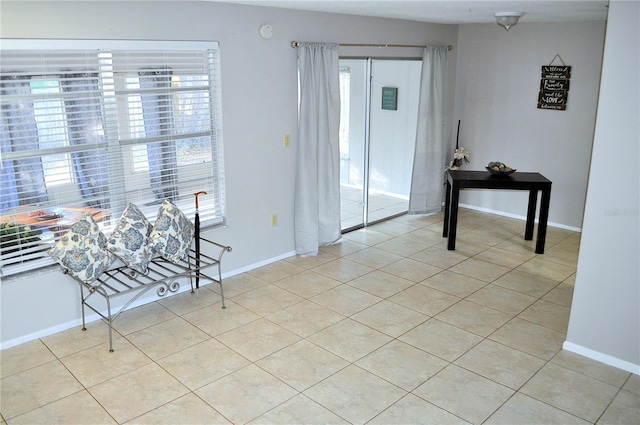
(498, 168)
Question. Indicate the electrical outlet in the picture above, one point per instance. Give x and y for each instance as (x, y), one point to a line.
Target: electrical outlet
(287, 140)
(274, 219)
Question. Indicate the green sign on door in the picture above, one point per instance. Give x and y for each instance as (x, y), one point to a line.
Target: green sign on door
(390, 98)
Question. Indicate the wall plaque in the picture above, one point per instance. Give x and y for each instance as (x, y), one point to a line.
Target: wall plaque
(554, 87)
(390, 98)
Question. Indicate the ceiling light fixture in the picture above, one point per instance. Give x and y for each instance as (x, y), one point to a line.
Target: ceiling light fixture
(507, 19)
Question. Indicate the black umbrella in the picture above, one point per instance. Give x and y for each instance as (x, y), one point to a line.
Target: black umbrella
(457, 162)
(197, 237)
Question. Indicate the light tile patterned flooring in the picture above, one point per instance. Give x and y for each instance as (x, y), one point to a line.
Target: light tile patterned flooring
(386, 327)
(380, 206)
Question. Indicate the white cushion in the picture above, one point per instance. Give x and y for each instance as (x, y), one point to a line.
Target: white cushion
(82, 250)
(129, 240)
(172, 233)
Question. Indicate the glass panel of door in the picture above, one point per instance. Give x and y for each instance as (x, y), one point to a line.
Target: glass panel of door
(379, 110)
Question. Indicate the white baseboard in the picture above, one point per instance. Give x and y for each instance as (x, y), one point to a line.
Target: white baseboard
(601, 357)
(40, 334)
(77, 323)
(89, 318)
(259, 264)
(519, 217)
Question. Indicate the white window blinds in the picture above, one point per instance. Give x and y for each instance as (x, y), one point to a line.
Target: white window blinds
(88, 126)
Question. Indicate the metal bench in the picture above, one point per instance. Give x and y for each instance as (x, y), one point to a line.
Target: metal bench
(122, 282)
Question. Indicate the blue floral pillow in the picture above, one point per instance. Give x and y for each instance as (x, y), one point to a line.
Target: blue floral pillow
(82, 250)
(172, 233)
(129, 241)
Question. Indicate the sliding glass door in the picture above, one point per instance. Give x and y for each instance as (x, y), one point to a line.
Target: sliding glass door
(379, 109)
(354, 129)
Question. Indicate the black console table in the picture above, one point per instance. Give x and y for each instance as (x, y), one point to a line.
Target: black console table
(533, 182)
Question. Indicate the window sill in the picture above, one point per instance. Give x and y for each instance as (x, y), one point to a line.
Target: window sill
(55, 267)
(29, 274)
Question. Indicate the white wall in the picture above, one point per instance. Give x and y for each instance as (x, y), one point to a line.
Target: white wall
(605, 313)
(259, 100)
(497, 85)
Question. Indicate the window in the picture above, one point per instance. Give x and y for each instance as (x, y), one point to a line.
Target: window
(88, 126)
(49, 113)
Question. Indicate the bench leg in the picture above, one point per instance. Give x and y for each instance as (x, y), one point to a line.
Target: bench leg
(220, 283)
(84, 325)
(110, 322)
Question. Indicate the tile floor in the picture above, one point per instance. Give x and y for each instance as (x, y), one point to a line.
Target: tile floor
(380, 206)
(386, 327)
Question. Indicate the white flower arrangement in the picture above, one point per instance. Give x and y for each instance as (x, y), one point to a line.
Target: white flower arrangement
(459, 155)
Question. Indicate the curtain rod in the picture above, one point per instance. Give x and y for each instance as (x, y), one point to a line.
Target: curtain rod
(295, 44)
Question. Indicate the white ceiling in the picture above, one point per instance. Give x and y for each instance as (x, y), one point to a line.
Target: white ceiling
(449, 11)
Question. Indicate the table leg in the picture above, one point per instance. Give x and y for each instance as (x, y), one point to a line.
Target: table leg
(453, 216)
(531, 214)
(542, 222)
(447, 202)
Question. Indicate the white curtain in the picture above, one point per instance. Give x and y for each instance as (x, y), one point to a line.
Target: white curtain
(317, 194)
(431, 138)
